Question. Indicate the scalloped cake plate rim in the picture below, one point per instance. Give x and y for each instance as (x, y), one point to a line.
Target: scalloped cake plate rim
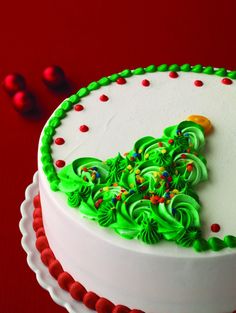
(28, 239)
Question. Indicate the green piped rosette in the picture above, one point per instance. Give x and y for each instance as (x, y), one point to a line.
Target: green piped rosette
(147, 194)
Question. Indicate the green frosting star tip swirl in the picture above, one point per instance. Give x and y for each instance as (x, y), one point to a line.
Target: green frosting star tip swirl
(147, 194)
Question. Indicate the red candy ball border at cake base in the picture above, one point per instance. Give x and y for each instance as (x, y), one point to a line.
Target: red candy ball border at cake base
(77, 291)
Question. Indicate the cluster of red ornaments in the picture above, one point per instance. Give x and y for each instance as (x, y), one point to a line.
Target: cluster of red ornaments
(15, 86)
(23, 100)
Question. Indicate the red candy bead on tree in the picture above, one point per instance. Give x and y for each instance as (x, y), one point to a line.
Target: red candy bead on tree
(13, 83)
(189, 167)
(54, 76)
(23, 101)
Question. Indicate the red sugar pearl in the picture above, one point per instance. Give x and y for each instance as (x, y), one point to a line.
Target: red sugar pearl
(83, 128)
(60, 163)
(121, 81)
(215, 228)
(145, 82)
(173, 75)
(59, 141)
(198, 83)
(189, 167)
(103, 98)
(226, 81)
(79, 107)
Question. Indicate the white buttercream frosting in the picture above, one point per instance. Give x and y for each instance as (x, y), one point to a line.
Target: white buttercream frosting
(164, 277)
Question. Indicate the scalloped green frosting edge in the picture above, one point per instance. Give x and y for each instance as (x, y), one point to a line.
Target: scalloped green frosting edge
(213, 243)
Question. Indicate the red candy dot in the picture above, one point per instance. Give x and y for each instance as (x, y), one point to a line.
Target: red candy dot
(121, 81)
(103, 98)
(183, 156)
(59, 141)
(173, 75)
(189, 167)
(83, 128)
(79, 107)
(215, 228)
(145, 82)
(60, 163)
(161, 200)
(226, 81)
(198, 83)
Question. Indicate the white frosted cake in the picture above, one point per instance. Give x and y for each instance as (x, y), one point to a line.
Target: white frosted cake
(137, 183)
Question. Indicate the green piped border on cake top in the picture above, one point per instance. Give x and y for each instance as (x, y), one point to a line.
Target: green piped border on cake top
(213, 243)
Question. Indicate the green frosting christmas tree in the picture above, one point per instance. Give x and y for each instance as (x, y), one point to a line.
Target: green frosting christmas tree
(148, 193)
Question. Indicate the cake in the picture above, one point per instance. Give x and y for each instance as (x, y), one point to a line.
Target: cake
(136, 182)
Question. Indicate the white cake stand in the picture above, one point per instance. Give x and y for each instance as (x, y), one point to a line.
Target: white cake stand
(44, 278)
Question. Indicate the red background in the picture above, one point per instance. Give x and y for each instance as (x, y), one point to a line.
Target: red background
(88, 39)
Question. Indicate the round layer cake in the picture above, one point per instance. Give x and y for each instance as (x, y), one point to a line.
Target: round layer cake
(184, 260)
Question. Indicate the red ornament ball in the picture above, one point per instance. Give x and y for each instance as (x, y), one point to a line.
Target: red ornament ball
(215, 228)
(226, 81)
(145, 82)
(13, 83)
(79, 107)
(173, 75)
(23, 101)
(198, 83)
(54, 76)
(121, 81)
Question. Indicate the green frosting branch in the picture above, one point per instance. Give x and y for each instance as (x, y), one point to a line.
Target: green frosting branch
(147, 194)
